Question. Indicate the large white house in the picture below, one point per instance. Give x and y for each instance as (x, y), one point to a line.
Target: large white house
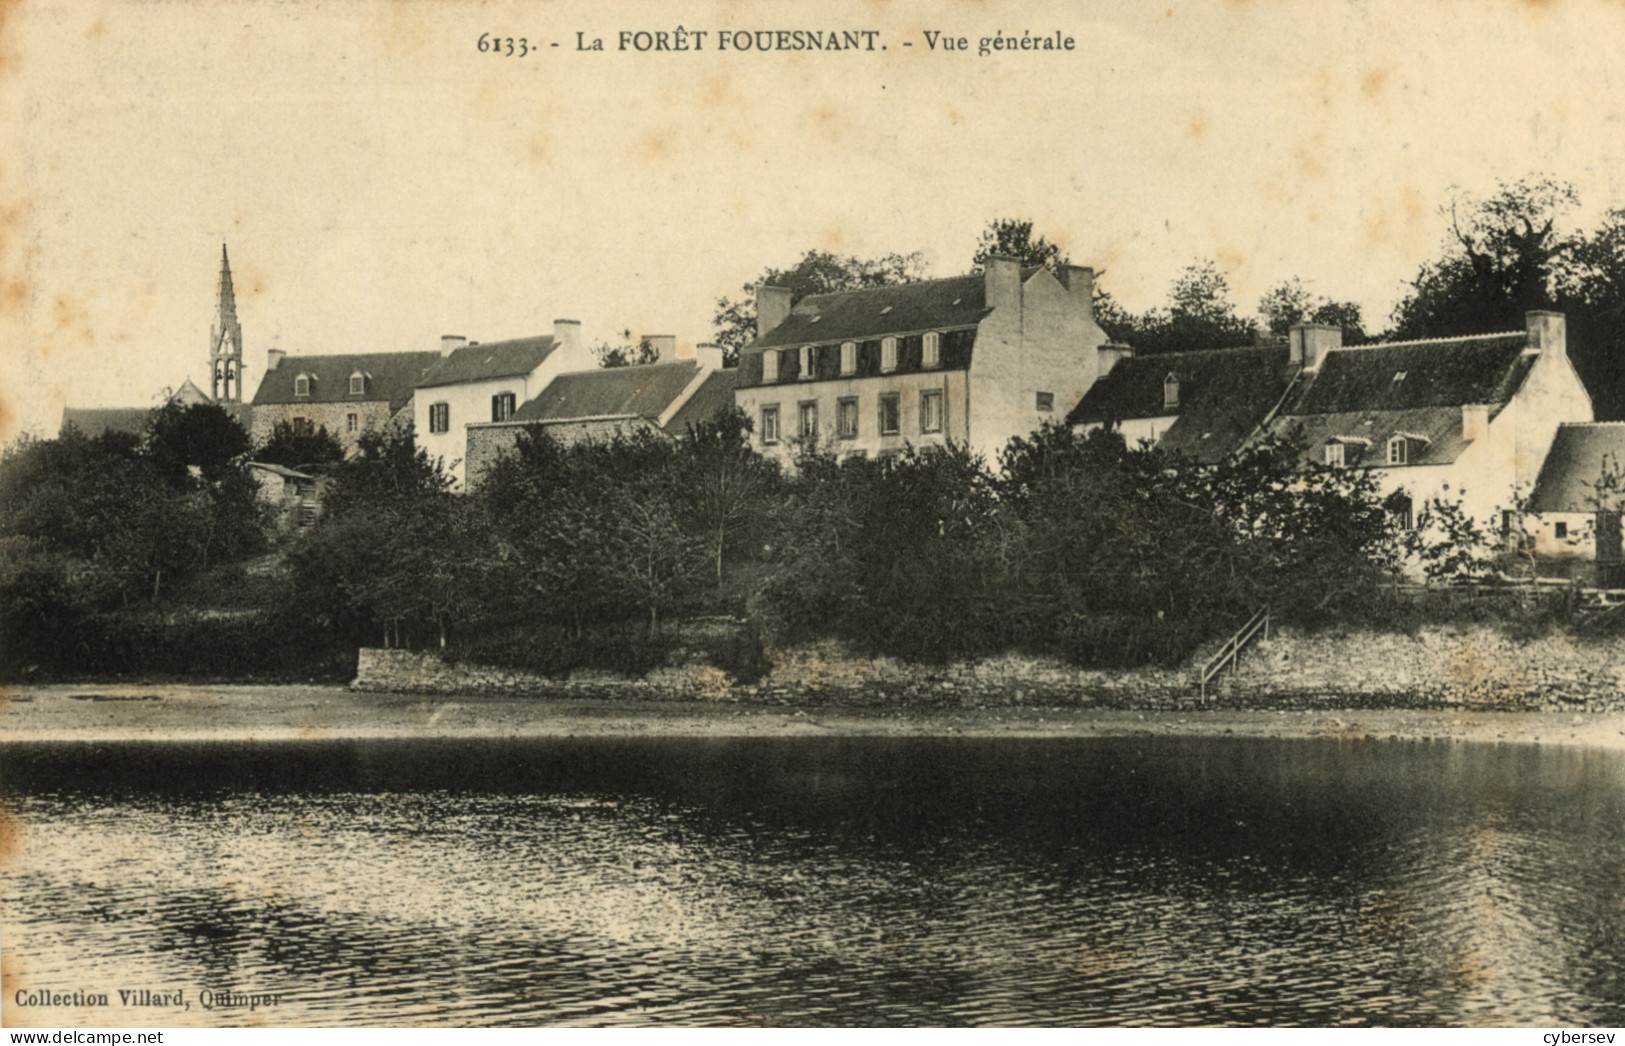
(479, 383)
(972, 359)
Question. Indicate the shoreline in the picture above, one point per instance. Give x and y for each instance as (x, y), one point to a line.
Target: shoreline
(116, 713)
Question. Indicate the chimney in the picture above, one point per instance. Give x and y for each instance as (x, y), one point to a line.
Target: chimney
(772, 307)
(1547, 331)
(273, 358)
(665, 346)
(1080, 283)
(708, 355)
(1001, 278)
(567, 336)
(1109, 354)
(1475, 420)
(1308, 344)
(450, 343)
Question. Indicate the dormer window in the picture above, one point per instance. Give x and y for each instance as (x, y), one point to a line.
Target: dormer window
(301, 385)
(931, 350)
(770, 365)
(1404, 446)
(888, 355)
(849, 357)
(807, 363)
(1170, 391)
(358, 384)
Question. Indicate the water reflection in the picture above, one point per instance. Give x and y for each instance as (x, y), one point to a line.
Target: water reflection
(850, 882)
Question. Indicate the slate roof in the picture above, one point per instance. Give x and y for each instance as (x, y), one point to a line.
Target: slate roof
(280, 470)
(1414, 388)
(390, 376)
(714, 394)
(93, 421)
(1224, 395)
(645, 391)
(1575, 463)
(489, 360)
(959, 301)
(1436, 373)
(1439, 429)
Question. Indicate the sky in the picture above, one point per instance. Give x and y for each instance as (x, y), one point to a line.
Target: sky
(381, 182)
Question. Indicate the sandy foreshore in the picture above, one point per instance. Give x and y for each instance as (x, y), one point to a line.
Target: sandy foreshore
(114, 712)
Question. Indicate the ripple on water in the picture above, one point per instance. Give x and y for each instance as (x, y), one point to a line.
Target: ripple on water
(862, 882)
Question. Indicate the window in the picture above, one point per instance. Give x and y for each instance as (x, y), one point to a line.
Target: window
(931, 410)
(931, 350)
(1506, 522)
(889, 414)
(1334, 455)
(352, 422)
(849, 357)
(439, 417)
(358, 384)
(1398, 506)
(1398, 452)
(807, 358)
(301, 385)
(1046, 402)
(846, 417)
(807, 420)
(770, 365)
(770, 424)
(1560, 530)
(888, 355)
(1170, 391)
(303, 427)
(502, 406)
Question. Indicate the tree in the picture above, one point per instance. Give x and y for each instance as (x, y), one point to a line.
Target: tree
(626, 353)
(1199, 315)
(726, 484)
(297, 449)
(1503, 256)
(818, 272)
(201, 436)
(386, 464)
(1289, 303)
(1013, 238)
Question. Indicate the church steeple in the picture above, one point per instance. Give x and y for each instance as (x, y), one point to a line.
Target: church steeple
(226, 341)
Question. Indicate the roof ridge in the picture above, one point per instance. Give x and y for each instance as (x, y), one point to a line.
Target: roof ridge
(890, 286)
(1430, 341)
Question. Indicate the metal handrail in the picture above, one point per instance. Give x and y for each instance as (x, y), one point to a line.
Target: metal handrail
(1231, 651)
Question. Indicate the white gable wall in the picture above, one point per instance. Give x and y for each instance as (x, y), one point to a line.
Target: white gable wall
(1045, 341)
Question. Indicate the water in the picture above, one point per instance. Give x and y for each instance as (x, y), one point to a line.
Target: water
(826, 882)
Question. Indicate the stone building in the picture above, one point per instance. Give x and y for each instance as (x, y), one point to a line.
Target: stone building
(677, 389)
(473, 383)
(972, 359)
(346, 394)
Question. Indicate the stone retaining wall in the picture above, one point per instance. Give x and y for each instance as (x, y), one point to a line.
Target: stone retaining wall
(1467, 667)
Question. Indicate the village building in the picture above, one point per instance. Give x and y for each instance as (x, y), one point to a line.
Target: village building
(473, 384)
(678, 389)
(1466, 419)
(972, 360)
(348, 395)
(1575, 509)
(291, 498)
(1202, 405)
